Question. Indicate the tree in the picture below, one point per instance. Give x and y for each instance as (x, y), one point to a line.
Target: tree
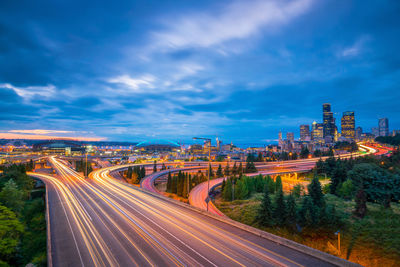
(278, 184)
(291, 211)
(308, 214)
(346, 190)
(223, 186)
(210, 171)
(142, 172)
(185, 185)
(298, 190)
(169, 183)
(174, 185)
(163, 167)
(280, 208)
(264, 216)
(361, 203)
(219, 171)
(226, 170)
(304, 153)
(260, 157)
(315, 192)
(270, 185)
(234, 169)
(155, 166)
(10, 232)
(339, 175)
(241, 189)
(240, 170)
(12, 197)
(227, 193)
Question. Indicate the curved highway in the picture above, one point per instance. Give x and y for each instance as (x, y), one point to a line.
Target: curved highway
(103, 222)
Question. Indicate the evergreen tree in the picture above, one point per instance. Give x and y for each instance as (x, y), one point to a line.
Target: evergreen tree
(270, 184)
(163, 167)
(12, 197)
(169, 183)
(210, 171)
(240, 169)
(142, 172)
(155, 166)
(264, 216)
(234, 169)
(361, 203)
(129, 173)
(227, 193)
(260, 157)
(278, 184)
(219, 171)
(180, 183)
(227, 170)
(280, 208)
(291, 211)
(241, 190)
(315, 192)
(174, 185)
(185, 186)
(223, 186)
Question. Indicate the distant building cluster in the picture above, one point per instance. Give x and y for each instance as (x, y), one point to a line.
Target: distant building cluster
(323, 135)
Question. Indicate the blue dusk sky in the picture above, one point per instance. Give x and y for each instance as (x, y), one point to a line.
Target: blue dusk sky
(240, 70)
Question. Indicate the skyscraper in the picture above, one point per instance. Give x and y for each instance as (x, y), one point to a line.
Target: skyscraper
(280, 141)
(375, 131)
(348, 125)
(317, 134)
(383, 127)
(305, 132)
(329, 122)
(290, 137)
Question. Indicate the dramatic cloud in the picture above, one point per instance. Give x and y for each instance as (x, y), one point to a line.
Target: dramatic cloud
(238, 20)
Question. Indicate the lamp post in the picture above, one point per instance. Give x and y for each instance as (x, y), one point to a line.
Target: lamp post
(338, 236)
(208, 140)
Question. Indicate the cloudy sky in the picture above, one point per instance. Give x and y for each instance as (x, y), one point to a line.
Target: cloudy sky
(240, 70)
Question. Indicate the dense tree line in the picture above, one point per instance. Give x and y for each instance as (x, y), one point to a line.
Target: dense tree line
(242, 188)
(311, 214)
(370, 178)
(390, 140)
(22, 219)
(182, 183)
(135, 174)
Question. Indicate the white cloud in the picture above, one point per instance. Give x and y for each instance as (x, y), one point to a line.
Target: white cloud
(30, 91)
(239, 20)
(355, 49)
(135, 84)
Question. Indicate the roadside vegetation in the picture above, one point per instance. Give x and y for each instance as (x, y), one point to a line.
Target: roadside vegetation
(22, 218)
(361, 202)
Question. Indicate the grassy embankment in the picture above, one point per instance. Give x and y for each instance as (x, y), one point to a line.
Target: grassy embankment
(372, 241)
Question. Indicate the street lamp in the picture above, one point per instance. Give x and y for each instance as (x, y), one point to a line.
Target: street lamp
(208, 140)
(338, 235)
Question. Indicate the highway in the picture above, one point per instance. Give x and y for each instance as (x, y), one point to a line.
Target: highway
(103, 222)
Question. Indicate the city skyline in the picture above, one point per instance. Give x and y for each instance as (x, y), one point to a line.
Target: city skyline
(232, 69)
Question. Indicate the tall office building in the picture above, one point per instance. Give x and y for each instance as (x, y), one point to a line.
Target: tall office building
(383, 127)
(305, 132)
(348, 125)
(375, 131)
(329, 122)
(290, 137)
(280, 141)
(317, 134)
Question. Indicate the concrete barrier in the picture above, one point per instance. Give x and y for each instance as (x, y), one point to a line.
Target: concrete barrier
(274, 238)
